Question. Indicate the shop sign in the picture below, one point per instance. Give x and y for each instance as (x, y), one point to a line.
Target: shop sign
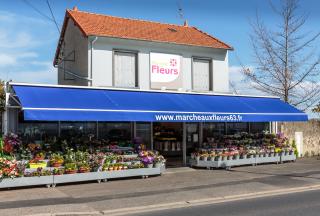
(165, 71)
(199, 117)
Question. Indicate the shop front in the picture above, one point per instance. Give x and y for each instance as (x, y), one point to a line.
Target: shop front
(174, 124)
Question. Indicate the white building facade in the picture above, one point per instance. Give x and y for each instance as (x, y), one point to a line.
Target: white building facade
(105, 61)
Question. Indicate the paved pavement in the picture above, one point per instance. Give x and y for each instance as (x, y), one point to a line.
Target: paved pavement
(180, 184)
(296, 204)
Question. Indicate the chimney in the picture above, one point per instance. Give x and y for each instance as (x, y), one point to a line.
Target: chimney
(75, 8)
(185, 24)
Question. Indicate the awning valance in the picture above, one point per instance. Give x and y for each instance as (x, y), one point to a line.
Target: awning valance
(54, 103)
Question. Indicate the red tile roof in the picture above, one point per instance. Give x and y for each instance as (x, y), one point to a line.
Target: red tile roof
(109, 26)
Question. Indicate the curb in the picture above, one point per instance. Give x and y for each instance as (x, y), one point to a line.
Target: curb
(69, 214)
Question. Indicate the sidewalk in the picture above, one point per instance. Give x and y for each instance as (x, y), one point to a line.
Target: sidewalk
(180, 184)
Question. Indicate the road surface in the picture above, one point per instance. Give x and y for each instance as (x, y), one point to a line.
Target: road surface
(295, 204)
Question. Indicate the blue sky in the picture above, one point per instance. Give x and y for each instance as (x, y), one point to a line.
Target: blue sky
(28, 40)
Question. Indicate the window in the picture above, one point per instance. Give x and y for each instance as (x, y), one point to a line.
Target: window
(202, 76)
(78, 130)
(143, 131)
(37, 132)
(237, 127)
(258, 127)
(125, 69)
(211, 129)
(120, 132)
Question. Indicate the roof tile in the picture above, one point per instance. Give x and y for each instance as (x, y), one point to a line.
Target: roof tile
(110, 26)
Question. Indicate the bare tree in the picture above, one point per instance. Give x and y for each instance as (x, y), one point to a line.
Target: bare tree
(316, 110)
(286, 63)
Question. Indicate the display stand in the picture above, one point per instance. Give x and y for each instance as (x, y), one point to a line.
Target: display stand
(52, 180)
(228, 162)
(26, 181)
(288, 156)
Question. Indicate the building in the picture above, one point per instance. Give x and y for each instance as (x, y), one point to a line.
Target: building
(106, 51)
(123, 79)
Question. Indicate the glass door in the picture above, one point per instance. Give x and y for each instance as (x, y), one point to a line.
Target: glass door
(193, 137)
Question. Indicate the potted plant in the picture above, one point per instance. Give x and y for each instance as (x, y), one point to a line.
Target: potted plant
(70, 168)
(111, 167)
(147, 158)
(40, 155)
(159, 161)
(84, 167)
(204, 157)
(58, 171)
(56, 160)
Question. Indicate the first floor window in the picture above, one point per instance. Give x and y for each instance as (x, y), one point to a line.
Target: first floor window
(202, 77)
(125, 69)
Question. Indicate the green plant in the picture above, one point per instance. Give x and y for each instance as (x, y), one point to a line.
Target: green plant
(70, 166)
(57, 171)
(70, 156)
(56, 158)
(82, 157)
(294, 146)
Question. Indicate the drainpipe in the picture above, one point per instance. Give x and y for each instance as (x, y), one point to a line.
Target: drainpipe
(91, 58)
(5, 117)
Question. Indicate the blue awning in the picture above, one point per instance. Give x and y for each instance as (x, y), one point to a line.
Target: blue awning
(45, 103)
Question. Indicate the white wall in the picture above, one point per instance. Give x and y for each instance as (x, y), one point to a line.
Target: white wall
(103, 53)
(74, 41)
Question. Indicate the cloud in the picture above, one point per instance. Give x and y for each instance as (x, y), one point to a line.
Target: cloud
(44, 73)
(23, 49)
(14, 59)
(239, 82)
(6, 60)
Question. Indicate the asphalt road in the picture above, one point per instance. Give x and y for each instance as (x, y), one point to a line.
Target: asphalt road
(296, 204)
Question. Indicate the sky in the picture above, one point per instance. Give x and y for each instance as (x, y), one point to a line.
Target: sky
(28, 38)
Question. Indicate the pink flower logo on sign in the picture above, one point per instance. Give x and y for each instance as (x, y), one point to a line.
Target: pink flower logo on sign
(164, 68)
(173, 62)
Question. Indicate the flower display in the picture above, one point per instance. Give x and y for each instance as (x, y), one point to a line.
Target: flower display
(246, 144)
(9, 168)
(34, 160)
(147, 157)
(11, 143)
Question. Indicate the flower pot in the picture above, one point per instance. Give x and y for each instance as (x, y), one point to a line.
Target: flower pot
(157, 165)
(218, 158)
(224, 158)
(212, 158)
(197, 158)
(56, 164)
(83, 170)
(150, 165)
(71, 171)
(192, 156)
(237, 157)
(204, 158)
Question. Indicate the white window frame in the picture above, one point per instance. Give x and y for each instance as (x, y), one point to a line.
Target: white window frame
(136, 67)
(195, 58)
